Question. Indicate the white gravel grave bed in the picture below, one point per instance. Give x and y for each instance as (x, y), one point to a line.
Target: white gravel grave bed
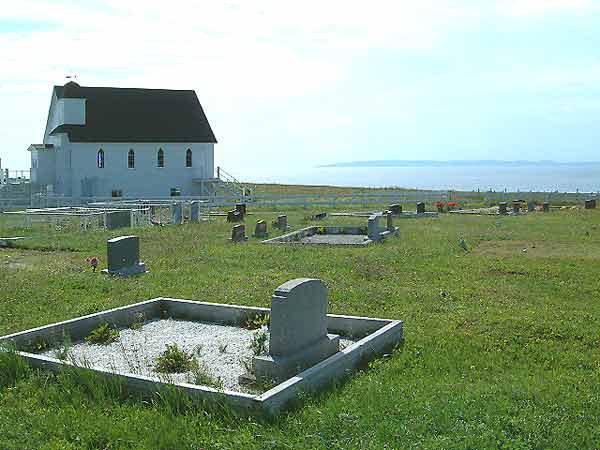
(219, 349)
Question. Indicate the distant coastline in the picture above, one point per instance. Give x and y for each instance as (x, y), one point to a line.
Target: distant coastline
(457, 163)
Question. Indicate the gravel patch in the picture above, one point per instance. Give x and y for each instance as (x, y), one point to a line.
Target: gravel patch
(220, 350)
(334, 239)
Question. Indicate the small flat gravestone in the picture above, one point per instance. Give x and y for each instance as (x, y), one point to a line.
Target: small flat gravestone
(123, 256)
(6, 242)
(118, 219)
(298, 330)
(261, 229)
(238, 233)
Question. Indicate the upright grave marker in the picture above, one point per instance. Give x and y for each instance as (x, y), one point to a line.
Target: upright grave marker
(298, 330)
(176, 213)
(261, 229)
(194, 211)
(238, 233)
(420, 208)
(241, 208)
(281, 222)
(234, 216)
(118, 219)
(123, 256)
(396, 209)
(516, 206)
(373, 231)
(502, 208)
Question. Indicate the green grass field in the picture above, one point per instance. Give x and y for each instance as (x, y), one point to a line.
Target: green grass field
(502, 346)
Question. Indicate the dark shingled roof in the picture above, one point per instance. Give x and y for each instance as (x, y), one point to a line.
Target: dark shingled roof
(136, 115)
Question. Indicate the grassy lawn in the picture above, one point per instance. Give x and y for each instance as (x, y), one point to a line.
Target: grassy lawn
(502, 345)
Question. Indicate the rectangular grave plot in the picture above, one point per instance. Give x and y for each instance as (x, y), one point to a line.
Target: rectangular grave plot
(330, 235)
(373, 337)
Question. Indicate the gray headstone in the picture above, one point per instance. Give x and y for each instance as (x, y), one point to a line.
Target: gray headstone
(502, 208)
(238, 233)
(298, 316)
(234, 216)
(195, 212)
(123, 256)
(282, 222)
(516, 206)
(118, 219)
(261, 229)
(298, 329)
(546, 207)
(590, 203)
(396, 209)
(420, 208)
(373, 231)
(241, 208)
(177, 213)
(390, 221)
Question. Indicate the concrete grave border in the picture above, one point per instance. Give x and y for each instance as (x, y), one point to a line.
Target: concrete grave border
(295, 236)
(377, 336)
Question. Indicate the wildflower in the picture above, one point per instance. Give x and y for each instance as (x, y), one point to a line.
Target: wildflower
(93, 261)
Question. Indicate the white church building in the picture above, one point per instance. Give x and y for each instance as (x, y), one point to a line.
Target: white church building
(121, 142)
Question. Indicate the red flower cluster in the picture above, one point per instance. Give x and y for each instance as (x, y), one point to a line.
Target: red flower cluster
(93, 261)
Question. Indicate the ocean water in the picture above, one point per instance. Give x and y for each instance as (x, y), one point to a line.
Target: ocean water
(562, 178)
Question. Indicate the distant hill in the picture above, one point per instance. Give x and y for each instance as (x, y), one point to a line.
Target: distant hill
(432, 163)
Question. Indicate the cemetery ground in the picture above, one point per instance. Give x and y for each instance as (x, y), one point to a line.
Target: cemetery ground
(502, 341)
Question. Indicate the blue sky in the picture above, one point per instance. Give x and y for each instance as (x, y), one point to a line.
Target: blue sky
(306, 83)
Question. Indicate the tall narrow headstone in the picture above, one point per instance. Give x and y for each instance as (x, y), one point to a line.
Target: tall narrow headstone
(373, 231)
(176, 213)
(390, 221)
(420, 208)
(298, 330)
(546, 207)
(531, 206)
(238, 233)
(502, 208)
(123, 256)
(194, 211)
(261, 229)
